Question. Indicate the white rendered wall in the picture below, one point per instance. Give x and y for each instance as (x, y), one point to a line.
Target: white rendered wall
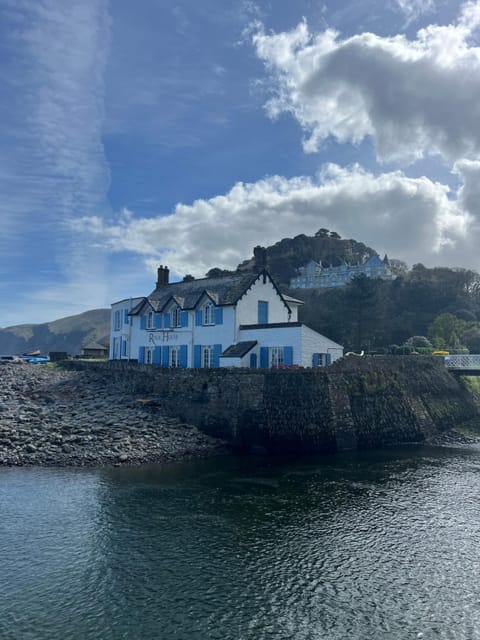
(125, 332)
(303, 340)
(204, 335)
(276, 337)
(313, 342)
(247, 307)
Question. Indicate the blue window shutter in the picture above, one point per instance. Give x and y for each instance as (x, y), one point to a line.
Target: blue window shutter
(141, 355)
(328, 358)
(218, 315)
(125, 317)
(165, 354)
(197, 356)
(316, 360)
(158, 321)
(184, 319)
(264, 357)
(217, 350)
(288, 356)
(166, 320)
(262, 312)
(198, 318)
(183, 355)
(143, 322)
(156, 355)
(253, 360)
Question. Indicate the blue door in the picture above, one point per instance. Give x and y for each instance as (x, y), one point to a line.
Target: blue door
(253, 360)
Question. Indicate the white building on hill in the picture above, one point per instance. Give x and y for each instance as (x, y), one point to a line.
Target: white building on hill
(314, 276)
(237, 320)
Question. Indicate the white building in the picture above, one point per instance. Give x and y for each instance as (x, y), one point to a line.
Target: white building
(237, 320)
(315, 276)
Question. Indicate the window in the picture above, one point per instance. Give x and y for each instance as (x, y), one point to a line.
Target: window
(262, 312)
(150, 323)
(117, 321)
(207, 357)
(176, 317)
(148, 355)
(208, 314)
(174, 356)
(276, 357)
(124, 348)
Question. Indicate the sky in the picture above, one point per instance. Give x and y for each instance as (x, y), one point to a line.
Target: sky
(185, 133)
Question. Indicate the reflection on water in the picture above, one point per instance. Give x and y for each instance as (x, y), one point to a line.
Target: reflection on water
(361, 546)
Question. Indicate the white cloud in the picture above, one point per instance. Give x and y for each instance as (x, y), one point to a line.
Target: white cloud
(412, 97)
(411, 218)
(413, 9)
(52, 162)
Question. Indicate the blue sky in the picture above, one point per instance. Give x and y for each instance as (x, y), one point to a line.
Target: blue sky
(184, 133)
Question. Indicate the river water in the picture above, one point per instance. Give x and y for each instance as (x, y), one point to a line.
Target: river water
(360, 546)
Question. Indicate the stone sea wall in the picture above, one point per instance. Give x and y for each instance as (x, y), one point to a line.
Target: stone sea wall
(355, 403)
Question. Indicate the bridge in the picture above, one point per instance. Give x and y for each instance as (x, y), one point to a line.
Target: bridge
(468, 365)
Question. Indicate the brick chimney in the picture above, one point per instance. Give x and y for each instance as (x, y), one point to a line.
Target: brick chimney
(260, 258)
(163, 274)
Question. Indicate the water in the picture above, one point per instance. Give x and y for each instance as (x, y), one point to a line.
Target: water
(364, 546)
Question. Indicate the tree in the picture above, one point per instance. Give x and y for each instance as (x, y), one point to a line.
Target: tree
(322, 233)
(471, 338)
(334, 234)
(447, 328)
(418, 341)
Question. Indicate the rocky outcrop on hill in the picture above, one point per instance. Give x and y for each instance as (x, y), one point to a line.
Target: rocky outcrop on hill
(53, 417)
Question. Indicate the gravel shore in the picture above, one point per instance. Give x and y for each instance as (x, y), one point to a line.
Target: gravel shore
(52, 417)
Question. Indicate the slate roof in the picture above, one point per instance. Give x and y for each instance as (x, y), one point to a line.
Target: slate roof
(223, 290)
(238, 350)
(95, 345)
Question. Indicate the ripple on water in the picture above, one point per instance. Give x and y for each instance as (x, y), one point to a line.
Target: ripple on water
(370, 546)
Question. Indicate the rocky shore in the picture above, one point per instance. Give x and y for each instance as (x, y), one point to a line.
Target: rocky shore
(53, 417)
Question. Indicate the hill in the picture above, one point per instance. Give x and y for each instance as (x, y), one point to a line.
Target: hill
(68, 334)
(440, 305)
(326, 247)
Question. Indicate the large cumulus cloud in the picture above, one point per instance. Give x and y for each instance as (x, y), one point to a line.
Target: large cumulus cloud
(415, 219)
(412, 97)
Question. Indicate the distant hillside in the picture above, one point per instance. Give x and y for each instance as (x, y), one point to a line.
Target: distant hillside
(286, 256)
(67, 334)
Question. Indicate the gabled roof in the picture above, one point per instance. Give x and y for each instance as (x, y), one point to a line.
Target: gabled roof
(223, 290)
(374, 261)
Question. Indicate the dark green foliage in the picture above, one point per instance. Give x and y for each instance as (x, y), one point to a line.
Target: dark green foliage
(440, 303)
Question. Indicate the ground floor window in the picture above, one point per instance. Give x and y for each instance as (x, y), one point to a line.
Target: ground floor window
(207, 357)
(276, 357)
(148, 355)
(174, 356)
(124, 348)
(321, 359)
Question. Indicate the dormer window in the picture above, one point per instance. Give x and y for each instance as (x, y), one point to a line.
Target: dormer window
(208, 314)
(150, 320)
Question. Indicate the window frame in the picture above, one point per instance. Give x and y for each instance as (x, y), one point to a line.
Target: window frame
(207, 357)
(117, 320)
(174, 357)
(277, 357)
(150, 320)
(176, 317)
(208, 314)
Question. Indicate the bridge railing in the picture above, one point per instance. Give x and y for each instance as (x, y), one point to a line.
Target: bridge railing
(456, 361)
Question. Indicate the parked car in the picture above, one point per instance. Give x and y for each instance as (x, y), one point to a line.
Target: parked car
(9, 359)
